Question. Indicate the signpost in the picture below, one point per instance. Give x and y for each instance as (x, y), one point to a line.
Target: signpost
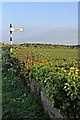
(17, 29)
(12, 29)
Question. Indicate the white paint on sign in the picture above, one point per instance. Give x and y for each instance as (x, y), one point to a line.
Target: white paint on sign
(16, 29)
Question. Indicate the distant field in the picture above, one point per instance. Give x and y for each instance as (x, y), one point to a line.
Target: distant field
(47, 53)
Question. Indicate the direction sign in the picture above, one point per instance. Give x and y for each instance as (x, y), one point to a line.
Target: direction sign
(16, 29)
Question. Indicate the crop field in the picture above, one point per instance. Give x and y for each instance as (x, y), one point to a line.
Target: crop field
(56, 68)
(47, 53)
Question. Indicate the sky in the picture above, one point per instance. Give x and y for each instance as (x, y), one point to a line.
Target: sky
(43, 22)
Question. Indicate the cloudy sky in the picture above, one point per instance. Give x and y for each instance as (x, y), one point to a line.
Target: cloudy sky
(43, 22)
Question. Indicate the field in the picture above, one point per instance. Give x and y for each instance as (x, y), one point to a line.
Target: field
(49, 53)
(56, 68)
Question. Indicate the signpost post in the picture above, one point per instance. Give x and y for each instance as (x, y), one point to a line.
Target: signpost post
(12, 29)
(10, 38)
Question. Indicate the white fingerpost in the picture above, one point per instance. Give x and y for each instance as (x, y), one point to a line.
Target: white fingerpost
(14, 30)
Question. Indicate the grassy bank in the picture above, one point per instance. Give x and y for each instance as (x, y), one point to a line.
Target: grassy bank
(17, 100)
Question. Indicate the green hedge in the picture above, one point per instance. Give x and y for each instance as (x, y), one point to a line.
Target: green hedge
(62, 84)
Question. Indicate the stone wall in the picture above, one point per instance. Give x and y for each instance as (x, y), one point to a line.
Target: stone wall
(40, 93)
(52, 111)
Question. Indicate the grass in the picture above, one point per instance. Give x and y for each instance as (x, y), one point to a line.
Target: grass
(17, 100)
